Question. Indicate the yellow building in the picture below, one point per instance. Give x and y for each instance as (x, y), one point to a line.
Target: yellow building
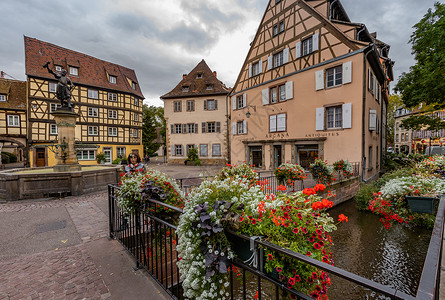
(106, 96)
(313, 84)
(195, 112)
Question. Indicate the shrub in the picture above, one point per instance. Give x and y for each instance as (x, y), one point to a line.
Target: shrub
(116, 161)
(243, 170)
(100, 157)
(193, 156)
(287, 173)
(321, 171)
(8, 157)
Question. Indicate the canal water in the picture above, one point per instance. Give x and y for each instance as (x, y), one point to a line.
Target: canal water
(364, 247)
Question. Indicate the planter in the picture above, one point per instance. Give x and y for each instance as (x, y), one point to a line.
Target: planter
(421, 204)
(242, 248)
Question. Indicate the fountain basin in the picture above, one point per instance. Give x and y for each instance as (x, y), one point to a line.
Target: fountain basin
(36, 183)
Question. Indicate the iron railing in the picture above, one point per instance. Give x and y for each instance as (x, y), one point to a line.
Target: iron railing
(151, 240)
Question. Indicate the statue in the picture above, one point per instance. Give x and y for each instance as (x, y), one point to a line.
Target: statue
(64, 87)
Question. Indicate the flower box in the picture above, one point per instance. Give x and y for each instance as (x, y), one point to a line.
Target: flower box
(420, 204)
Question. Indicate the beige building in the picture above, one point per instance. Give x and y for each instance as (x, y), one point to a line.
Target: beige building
(196, 112)
(402, 137)
(313, 84)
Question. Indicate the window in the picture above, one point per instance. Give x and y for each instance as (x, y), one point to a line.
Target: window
(2, 98)
(190, 105)
(370, 158)
(199, 75)
(216, 150)
(256, 68)
(188, 148)
(192, 128)
(136, 117)
(307, 46)
(185, 88)
(112, 114)
(278, 28)
(93, 112)
(74, 71)
(53, 107)
(133, 85)
(334, 117)
(112, 97)
(135, 133)
(334, 76)
(277, 93)
(178, 150)
(239, 101)
(58, 68)
(277, 123)
(406, 137)
(93, 94)
(178, 128)
(177, 106)
(136, 102)
(281, 26)
(53, 129)
(120, 152)
(203, 150)
(210, 104)
(402, 137)
(112, 131)
(52, 87)
(112, 79)
(93, 130)
(273, 95)
(211, 127)
(209, 87)
(275, 30)
(278, 59)
(86, 155)
(241, 127)
(14, 121)
(397, 137)
(277, 1)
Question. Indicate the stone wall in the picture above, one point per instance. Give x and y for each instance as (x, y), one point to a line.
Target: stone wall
(344, 190)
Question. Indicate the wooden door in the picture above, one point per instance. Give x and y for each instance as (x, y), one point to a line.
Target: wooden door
(40, 157)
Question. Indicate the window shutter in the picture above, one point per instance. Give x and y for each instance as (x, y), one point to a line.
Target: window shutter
(372, 119)
(285, 55)
(250, 71)
(269, 62)
(172, 149)
(289, 90)
(196, 127)
(265, 94)
(374, 85)
(244, 100)
(234, 128)
(281, 122)
(319, 118)
(218, 126)
(244, 126)
(315, 42)
(347, 72)
(272, 123)
(216, 104)
(347, 115)
(204, 124)
(234, 103)
(184, 128)
(319, 80)
(205, 104)
(260, 66)
(172, 129)
(369, 79)
(298, 49)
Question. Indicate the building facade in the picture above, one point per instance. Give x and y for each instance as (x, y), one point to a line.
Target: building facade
(196, 112)
(13, 119)
(403, 142)
(313, 84)
(107, 98)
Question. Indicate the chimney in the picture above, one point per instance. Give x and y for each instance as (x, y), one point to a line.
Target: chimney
(184, 75)
(214, 73)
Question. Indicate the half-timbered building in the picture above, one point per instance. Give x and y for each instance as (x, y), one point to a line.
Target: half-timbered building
(196, 112)
(106, 96)
(13, 119)
(313, 84)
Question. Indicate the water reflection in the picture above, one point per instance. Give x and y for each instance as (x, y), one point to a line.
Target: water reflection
(364, 247)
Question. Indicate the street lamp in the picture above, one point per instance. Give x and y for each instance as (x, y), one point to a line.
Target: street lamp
(248, 111)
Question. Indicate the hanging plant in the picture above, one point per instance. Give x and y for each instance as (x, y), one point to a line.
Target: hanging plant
(344, 167)
(288, 173)
(321, 171)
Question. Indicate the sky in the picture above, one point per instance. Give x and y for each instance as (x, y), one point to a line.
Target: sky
(163, 39)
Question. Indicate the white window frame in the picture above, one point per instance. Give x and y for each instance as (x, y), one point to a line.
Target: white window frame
(177, 106)
(136, 102)
(53, 129)
(112, 131)
(218, 153)
(209, 87)
(74, 71)
(86, 155)
(214, 104)
(13, 121)
(275, 123)
(93, 112)
(93, 130)
(58, 68)
(136, 117)
(257, 68)
(179, 150)
(120, 151)
(337, 74)
(278, 59)
(112, 79)
(112, 97)
(2, 98)
(190, 105)
(93, 94)
(53, 107)
(337, 117)
(52, 87)
(201, 150)
(112, 114)
(307, 46)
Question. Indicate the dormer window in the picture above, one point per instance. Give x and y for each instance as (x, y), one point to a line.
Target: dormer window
(199, 76)
(74, 71)
(133, 85)
(2, 98)
(185, 88)
(209, 87)
(112, 79)
(58, 68)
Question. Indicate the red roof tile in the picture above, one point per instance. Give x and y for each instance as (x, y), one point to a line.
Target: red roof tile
(92, 71)
(198, 86)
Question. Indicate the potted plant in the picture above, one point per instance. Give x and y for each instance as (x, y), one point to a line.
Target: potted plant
(344, 167)
(100, 158)
(288, 173)
(321, 171)
(192, 157)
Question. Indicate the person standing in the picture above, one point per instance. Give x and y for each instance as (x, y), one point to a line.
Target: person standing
(134, 164)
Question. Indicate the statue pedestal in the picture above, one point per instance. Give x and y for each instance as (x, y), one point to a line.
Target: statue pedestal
(66, 125)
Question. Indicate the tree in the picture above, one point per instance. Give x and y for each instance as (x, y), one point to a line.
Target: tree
(152, 118)
(425, 80)
(394, 102)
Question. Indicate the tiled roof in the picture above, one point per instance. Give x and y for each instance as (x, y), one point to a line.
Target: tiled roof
(92, 71)
(198, 85)
(15, 92)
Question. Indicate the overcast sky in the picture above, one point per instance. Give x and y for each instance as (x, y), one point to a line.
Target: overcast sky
(163, 39)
